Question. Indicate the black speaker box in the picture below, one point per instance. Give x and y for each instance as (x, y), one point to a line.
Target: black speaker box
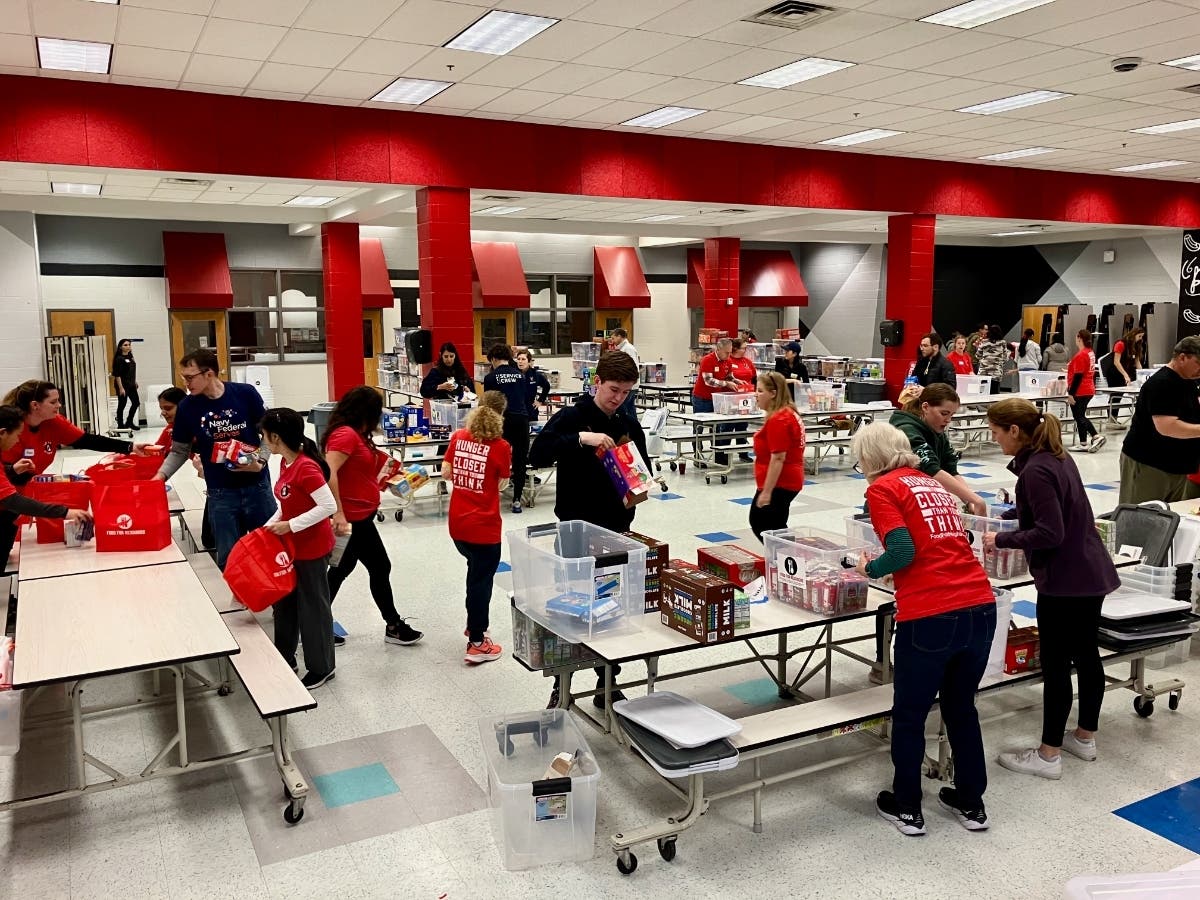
(891, 332)
(419, 345)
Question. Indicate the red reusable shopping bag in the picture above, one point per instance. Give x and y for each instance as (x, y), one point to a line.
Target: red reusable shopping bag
(71, 494)
(131, 517)
(120, 468)
(259, 570)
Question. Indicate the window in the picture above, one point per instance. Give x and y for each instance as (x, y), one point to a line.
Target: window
(560, 311)
(277, 316)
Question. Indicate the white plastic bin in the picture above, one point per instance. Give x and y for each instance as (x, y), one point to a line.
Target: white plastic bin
(804, 569)
(995, 664)
(10, 722)
(974, 385)
(1001, 562)
(578, 579)
(731, 403)
(538, 820)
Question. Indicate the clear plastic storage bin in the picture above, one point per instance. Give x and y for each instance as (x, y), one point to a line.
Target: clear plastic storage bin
(578, 579)
(974, 385)
(762, 355)
(819, 396)
(861, 529)
(1047, 384)
(731, 403)
(804, 569)
(10, 722)
(1158, 585)
(536, 819)
(1003, 562)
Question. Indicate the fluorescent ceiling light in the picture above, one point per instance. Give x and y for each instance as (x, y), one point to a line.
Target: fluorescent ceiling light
(1168, 127)
(980, 12)
(1015, 234)
(499, 210)
(113, 2)
(662, 218)
(1161, 164)
(860, 137)
(794, 73)
(1186, 62)
(71, 187)
(668, 115)
(412, 91)
(1018, 154)
(305, 200)
(74, 56)
(1018, 101)
(499, 32)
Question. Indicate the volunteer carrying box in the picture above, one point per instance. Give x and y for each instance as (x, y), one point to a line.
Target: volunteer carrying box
(805, 569)
(732, 563)
(577, 579)
(542, 649)
(1001, 562)
(540, 815)
(657, 555)
(698, 604)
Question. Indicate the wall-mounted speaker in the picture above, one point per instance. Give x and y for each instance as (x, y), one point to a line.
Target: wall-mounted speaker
(891, 332)
(419, 345)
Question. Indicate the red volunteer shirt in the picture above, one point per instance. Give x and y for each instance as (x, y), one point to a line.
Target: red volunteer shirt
(6, 486)
(476, 469)
(743, 370)
(944, 575)
(710, 365)
(294, 489)
(41, 445)
(781, 433)
(1083, 363)
(358, 486)
(164, 439)
(961, 362)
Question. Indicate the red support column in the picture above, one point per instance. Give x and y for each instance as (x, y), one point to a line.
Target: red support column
(342, 269)
(444, 268)
(909, 290)
(722, 283)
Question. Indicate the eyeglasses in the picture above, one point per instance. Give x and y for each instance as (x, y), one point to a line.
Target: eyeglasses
(188, 378)
(858, 468)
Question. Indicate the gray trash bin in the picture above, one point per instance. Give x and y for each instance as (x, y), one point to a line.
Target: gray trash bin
(318, 417)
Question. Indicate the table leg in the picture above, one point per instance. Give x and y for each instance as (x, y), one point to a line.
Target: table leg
(181, 714)
(781, 659)
(758, 826)
(651, 673)
(75, 691)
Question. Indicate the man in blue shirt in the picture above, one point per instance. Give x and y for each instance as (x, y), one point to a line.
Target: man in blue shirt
(214, 413)
(509, 380)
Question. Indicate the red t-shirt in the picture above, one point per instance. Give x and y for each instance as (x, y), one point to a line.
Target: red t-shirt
(164, 439)
(743, 370)
(783, 432)
(476, 469)
(1083, 363)
(961, 362)
(294, 489)
(710, 365)
(6, 487)
(358, 486)
(944, 575)
(42, 445)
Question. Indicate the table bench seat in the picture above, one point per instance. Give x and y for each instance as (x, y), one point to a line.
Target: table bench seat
(270, 682)
(805, 720)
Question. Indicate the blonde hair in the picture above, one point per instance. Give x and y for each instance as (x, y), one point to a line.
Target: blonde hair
(776, 384)
(486, 421)
(880, 448)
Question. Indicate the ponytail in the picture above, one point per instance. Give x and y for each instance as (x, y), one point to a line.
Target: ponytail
(1025, 336)
(1041, 431)
(25, 394)
(288, 426)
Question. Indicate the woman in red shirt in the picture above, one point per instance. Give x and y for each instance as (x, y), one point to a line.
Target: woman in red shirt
(1081, 388)
(960, 358)
(305, 505)
(778, 455)
(354, 480)
(478, 464)
(168, 405)
(945, 620)
(742, 373)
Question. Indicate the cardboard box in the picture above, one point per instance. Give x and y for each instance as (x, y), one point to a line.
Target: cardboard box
(657, 556)
(1023, 651)
(787, 334)
(698, 604)
(629, 473)
(731, 562)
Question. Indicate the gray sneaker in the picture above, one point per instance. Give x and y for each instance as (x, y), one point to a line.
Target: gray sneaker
(1030, 762)
(1085, 750)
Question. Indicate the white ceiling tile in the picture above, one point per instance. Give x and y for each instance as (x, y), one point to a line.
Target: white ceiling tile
(904, 36)
(130, 179)
(568, 40)
(359, 85)
(17, 50)
(687, 57)
(624, 13)
(465, 96)
(265, 12)
(569, 107)
(517, 102)
(622, 86)
(314, 48)
(908, 9)
(630, 48)
(729, 96)
(220, 71)
(1004, 63)
(241, 40)
(75, 20)
(14, 17)
(697, 17)
(280, 77)
(155, 28)
(146, 62)
(899, 85)
(510, 71)
(430, 22)
(957, 46)
(568, 78)
(615, 113)
(745, 64)
(834, 32)
(554, 9)
(752, 125)
(1044, 20)
(700, 123)
(340, 17)
(169, 194)
(23, 187)
(274, 95)
(857, 114)
(383, 57)
(674, 91)
(192, 7)
(124, 192)
(441, 64)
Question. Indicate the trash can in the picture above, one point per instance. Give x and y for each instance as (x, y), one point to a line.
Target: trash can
(318, 418)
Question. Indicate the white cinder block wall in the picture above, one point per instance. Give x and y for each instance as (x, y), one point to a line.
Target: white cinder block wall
(21, 351)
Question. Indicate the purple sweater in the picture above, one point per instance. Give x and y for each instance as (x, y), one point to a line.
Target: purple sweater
(1057, 530)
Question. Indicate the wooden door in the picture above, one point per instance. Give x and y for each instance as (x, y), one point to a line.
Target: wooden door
(492, 326)
(98, 322)
(1044, 322)
(608, 319)
(372, 345)
(196, 330)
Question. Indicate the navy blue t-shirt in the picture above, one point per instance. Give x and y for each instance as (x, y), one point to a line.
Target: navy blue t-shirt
(202, 421)
(511, 382)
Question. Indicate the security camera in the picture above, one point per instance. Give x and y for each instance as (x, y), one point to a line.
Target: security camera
(1126, 63)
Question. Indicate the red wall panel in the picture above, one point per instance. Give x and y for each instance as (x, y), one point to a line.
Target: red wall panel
(342, 268)
(197, 270)
(909, 290)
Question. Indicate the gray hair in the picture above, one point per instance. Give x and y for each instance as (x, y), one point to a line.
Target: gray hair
(1189, 345)
(725, 343)
(880, 448)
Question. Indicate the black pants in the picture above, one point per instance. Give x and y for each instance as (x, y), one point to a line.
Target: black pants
(1083, 425)
(366, 546)
(516, 432)
(774, 514)
(304, 616)
(1068, 629)
(482, 562)
(8, 535)
(207, 540)
(131, 397)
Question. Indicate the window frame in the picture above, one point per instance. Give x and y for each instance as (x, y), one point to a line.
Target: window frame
(558, 312)
(278, 310)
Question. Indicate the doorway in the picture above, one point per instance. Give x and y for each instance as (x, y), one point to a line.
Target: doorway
(199, 330)
(372, 331)
(86, 323)
(764, 322)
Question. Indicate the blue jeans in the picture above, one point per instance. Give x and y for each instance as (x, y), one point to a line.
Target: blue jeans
(234, 512)
(940, 656)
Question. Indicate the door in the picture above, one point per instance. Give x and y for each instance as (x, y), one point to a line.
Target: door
(492, 327)
(764, 322)
(372, 345)
(199, 330)
(608, 319)
(85, 323)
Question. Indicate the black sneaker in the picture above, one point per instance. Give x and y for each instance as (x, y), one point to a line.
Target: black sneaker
(401, 633)
(909, 822)
(721, 459)
(552, 703)
(973, 819)
(745, 457)
(338, 640)
(312, 680)
(516, 507)
(598, 699)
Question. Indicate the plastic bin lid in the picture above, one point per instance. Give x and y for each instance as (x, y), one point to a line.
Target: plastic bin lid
(1151, 529)
(683, 722)
(1122, 604)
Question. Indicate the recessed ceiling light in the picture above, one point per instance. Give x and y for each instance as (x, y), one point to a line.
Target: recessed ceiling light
(1018, 154)
(498, 210)
(1161, 164)
(72, 187)
(667, 115)
(662, 218)
(1018, 101)
(794, 73)
(1168, 127)
(860, 137)
(113, 2)
(304, 200)
(980, 12)
(74, 56)
(412, 91)
(1186, 62)
(499, 32)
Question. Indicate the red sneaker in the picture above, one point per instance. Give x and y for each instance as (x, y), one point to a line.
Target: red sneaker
(485, 651)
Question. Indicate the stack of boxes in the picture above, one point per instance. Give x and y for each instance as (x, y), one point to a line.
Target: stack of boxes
(732, 563)
(657, 554)
(697, 604)
(540, 648)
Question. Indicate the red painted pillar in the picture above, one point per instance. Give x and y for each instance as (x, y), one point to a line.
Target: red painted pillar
(909, 290)
(722, 268)
(444, 268)
(342, 268)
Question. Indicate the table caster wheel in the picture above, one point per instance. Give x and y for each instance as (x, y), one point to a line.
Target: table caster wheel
(672, 466)
(379, 517)
(225, 690)
(666, 848)
(1173, 701)
(707, 480)
(1143, 707)
(724, 479)
(626, 863)
(399, 515)
(292, 814)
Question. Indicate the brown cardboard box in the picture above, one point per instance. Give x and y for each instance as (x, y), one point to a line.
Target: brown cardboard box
(730, 561)
(697, 604)
(657, 554)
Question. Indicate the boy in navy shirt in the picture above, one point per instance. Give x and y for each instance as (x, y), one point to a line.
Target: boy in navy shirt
(509, 380)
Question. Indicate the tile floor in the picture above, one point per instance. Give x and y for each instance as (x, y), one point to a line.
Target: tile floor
(398, 806)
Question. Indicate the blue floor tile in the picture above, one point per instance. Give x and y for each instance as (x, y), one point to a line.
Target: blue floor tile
(355, 785)
(759, 692)
(1101, 487)
(1173, 814)
(503, 567)
(1026, 608)
(743, 501)
(855, 475)
(970, 465)
(716, 537)
(667, 495)
(986, 495)
(974, 475)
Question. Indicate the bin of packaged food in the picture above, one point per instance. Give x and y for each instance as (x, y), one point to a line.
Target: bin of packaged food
(806, 567)
(999, 562)
(819, 396)
(734, 403)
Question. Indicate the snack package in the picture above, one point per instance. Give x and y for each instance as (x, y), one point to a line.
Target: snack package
(628, 472)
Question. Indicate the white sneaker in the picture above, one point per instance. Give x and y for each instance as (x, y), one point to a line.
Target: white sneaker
(1085, 750)
(1030, 762)
(1080, 447)
(1097, 442)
